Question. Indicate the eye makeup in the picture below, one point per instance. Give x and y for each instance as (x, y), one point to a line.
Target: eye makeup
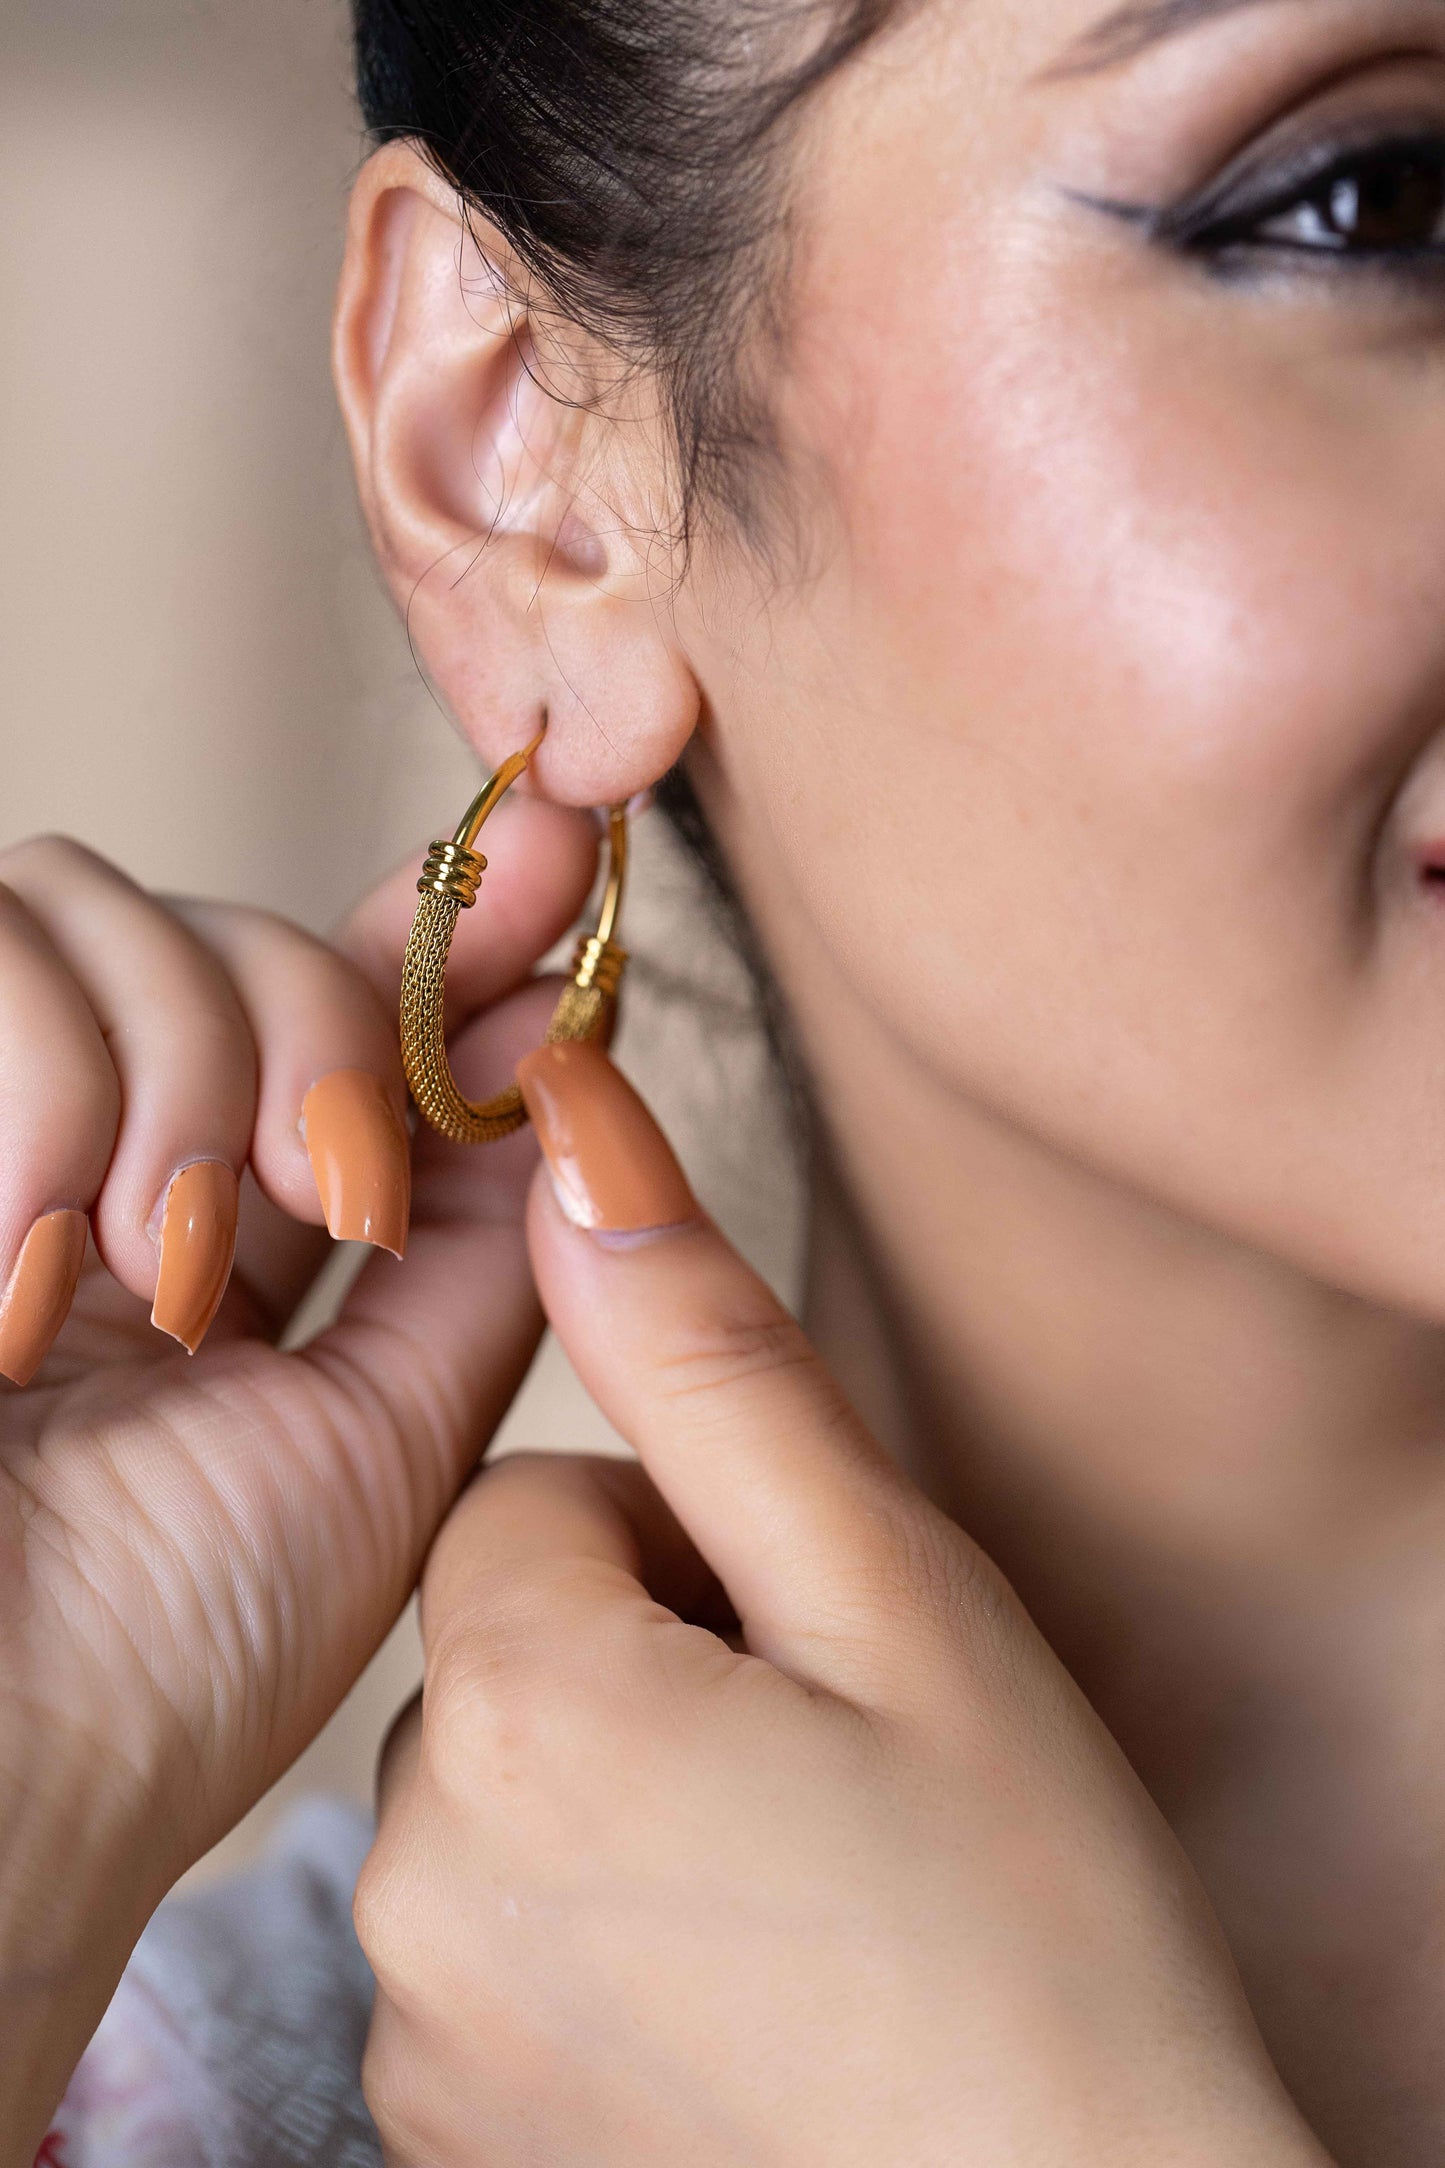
(1377, 197)
(1354, 180)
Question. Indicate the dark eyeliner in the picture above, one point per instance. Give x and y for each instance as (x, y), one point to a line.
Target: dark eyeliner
(1230, 212)
(1221, 222)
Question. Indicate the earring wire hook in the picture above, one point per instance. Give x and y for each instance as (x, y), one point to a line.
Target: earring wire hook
(450, 882)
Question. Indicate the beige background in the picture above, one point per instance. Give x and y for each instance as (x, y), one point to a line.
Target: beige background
(198, 672)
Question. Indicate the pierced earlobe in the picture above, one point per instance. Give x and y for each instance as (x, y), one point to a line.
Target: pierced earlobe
(450, 883)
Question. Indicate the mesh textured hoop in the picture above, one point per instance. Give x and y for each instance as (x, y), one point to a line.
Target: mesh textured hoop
(450, 882)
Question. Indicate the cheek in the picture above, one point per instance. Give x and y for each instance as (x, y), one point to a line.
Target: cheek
(1180, 588)
(1135, 633)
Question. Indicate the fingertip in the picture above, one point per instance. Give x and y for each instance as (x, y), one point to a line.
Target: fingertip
(613, 1172)
(198, 1248)
(40, 1292)
(360, 1156)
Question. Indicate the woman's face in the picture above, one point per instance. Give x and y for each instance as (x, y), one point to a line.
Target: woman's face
(1099, 749)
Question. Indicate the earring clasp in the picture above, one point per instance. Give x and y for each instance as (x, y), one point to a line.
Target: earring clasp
(450, 884)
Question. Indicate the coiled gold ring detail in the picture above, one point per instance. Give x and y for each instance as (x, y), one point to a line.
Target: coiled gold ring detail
(450, 882)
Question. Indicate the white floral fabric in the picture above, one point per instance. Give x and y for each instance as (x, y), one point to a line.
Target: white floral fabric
(235, 2039)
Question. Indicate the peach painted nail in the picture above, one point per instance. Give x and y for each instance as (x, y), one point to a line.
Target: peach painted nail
(361, 1158)
(614, 1170)
(198, 1247)
(41, 1290)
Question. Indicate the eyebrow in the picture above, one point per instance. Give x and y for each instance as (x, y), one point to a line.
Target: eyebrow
(1131, 29)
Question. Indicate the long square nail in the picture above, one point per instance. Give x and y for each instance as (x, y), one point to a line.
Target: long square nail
(40, 1292)
(198, 1248)
(614, 1170)
(361, 1157)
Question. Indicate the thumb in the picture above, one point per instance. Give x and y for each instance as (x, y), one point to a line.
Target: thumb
(812, 1530)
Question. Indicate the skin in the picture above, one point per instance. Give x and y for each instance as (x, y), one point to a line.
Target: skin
(1076, 747)
(1074, 740)
(169, 1528)
(862, 1880)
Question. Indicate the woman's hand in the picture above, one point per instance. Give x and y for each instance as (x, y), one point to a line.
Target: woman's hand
(198, 1557)
(868, 1883)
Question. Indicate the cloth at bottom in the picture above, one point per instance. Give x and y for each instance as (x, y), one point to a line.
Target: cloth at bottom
(236, 2036)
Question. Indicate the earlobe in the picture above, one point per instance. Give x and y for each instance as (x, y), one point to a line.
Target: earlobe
(496, 499)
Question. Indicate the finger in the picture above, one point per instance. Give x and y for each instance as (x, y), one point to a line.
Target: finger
(330, 1143)
(59, 1117)
(541, 865)
(535, 1524)
(351, 1451)
(433, 1352)
(527, 1530)
(815, 1534)
(325, 1025)
(399, 2090)
(571, 1631)
(165, 1217)
(400, 1757)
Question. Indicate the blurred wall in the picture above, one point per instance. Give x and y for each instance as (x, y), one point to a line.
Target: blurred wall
(199, 674)
(196, 670)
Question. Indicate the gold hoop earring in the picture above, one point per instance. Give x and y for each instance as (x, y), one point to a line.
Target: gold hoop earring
(451, 879)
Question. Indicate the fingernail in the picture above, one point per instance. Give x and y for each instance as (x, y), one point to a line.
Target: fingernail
(41, 1290)
(614, 1171)
(198, 1246)
(361, 1158)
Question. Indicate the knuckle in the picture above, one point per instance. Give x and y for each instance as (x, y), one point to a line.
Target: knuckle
(547, 1473)
(213, 1029)
(972, 1595)
(961, 1609)
(399, 1750)
(202, 1011)
(58, 1084)
(928, 1612)
(524, 1697)
(390, 2088)
(336, 975)
(726, 1349)
(49, 855)
(481, 1717)
(939, 1562)
(318, 978)
(312, 959)
(76, 1095)
(383, 1918)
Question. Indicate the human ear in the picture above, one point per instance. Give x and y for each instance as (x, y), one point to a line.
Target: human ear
(509, 510)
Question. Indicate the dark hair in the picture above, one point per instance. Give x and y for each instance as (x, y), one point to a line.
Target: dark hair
(625, 151)
(628, 153)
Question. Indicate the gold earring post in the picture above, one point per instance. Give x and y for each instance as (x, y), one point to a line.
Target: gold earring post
(450, 882)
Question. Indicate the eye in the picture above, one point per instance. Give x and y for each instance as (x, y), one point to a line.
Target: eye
(1381, 202)
(1354, 180)
(1389, 201)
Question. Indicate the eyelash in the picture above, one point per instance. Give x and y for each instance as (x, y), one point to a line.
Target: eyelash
(1230, 224)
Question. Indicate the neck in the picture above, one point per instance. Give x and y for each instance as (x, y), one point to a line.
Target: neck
(1181, 1451)
(1040, 1321)
(1175, 1444)
(1215, 1483)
